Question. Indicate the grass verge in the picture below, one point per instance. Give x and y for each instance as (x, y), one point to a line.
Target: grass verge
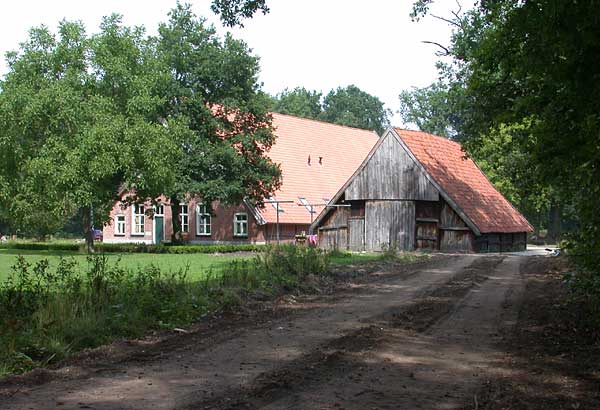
(47, 314)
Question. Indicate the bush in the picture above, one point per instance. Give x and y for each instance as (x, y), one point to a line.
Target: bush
(46, 315)
(282, 266)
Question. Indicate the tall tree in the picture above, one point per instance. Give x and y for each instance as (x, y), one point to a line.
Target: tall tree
(214, 88)
(233, 12)
(79, 120)
(300, 102)
(354, 107)
(429, 108)
(535, 62)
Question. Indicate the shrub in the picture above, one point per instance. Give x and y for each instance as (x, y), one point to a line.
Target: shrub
(46, 315)
(389, 252)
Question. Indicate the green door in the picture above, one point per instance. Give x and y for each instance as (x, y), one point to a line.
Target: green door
(159, 229)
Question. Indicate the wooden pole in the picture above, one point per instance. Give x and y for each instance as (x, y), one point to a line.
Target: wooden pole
(276, 202)
(277, 207)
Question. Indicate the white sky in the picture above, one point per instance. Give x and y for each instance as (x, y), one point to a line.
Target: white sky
(316, 44)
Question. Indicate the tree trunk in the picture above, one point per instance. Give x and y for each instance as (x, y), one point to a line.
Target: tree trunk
(554, 228)
(176, 236)
(88, 229)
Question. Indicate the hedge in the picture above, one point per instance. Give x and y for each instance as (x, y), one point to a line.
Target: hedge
(130, 248)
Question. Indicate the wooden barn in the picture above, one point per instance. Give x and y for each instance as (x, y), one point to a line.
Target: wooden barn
(418, 191)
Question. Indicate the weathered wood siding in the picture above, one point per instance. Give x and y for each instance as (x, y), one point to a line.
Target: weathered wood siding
(333, 238)
(337, 216)
(389, 223)
(457, 241)
(455, 235)
(428, 219)
(501, 242)
(391, 174)
(427, 235)
(356, 234)
(450, 219)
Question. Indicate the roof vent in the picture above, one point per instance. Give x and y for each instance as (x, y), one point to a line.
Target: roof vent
(321, 160)
(309, 160)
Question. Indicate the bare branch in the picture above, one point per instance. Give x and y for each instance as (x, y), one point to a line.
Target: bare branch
(446, 50)
(454, 23)
(459, 7)
(456, 14)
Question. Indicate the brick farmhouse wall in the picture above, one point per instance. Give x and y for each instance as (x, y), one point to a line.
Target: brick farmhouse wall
(222, 225)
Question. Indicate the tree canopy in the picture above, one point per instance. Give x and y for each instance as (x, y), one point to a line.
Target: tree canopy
(79, 120)
(353, 107)
(214, 88)
(528, 72)
(299, 102)
(233, 12)
(84, 118)
(345, 106)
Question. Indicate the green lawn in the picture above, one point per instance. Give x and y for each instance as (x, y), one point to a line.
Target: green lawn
(352, 258)
(199, 263)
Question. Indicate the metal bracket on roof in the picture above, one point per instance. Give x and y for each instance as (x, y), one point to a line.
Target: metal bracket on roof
(277, 211)
(255, 213)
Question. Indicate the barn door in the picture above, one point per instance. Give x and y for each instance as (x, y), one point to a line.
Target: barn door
(356, 234)
(389, 223)
(427, 234)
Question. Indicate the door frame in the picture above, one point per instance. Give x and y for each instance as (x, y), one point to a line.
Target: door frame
(161, 215)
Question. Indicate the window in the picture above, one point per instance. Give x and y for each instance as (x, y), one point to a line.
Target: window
(240, 225)
(185, 220)
(203, 220)
(138, 220)
(120, 225)
(159, 210)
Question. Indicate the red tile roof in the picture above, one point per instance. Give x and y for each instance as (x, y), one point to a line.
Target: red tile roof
(341, 149)
(464, 182)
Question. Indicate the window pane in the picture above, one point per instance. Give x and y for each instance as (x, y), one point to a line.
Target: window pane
(203, 220)
(240, 225)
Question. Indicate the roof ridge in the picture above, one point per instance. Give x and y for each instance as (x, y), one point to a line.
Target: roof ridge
(326, 122)
(400, 130)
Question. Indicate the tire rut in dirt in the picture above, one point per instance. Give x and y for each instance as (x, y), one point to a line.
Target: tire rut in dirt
(436, 304)
(339, 357)
(551, 359)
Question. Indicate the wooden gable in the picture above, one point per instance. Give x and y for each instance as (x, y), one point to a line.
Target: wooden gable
(391, 174)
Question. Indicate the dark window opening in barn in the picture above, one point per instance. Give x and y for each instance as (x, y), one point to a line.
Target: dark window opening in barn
(357, 209)
(427, 210)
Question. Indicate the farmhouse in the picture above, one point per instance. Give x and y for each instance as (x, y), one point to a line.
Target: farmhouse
(418, 191)
(316, 159)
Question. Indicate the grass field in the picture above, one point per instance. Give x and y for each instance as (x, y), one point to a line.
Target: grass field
(198, 263)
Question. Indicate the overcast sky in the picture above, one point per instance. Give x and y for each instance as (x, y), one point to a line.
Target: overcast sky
(318, 44)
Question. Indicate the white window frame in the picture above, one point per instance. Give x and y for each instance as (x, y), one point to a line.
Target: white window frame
(184, 218)
(237, 224)
(203, 220)
(120, 225)
(138, 211)
(159, 210)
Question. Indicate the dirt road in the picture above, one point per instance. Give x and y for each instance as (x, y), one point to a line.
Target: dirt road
(422, 336)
